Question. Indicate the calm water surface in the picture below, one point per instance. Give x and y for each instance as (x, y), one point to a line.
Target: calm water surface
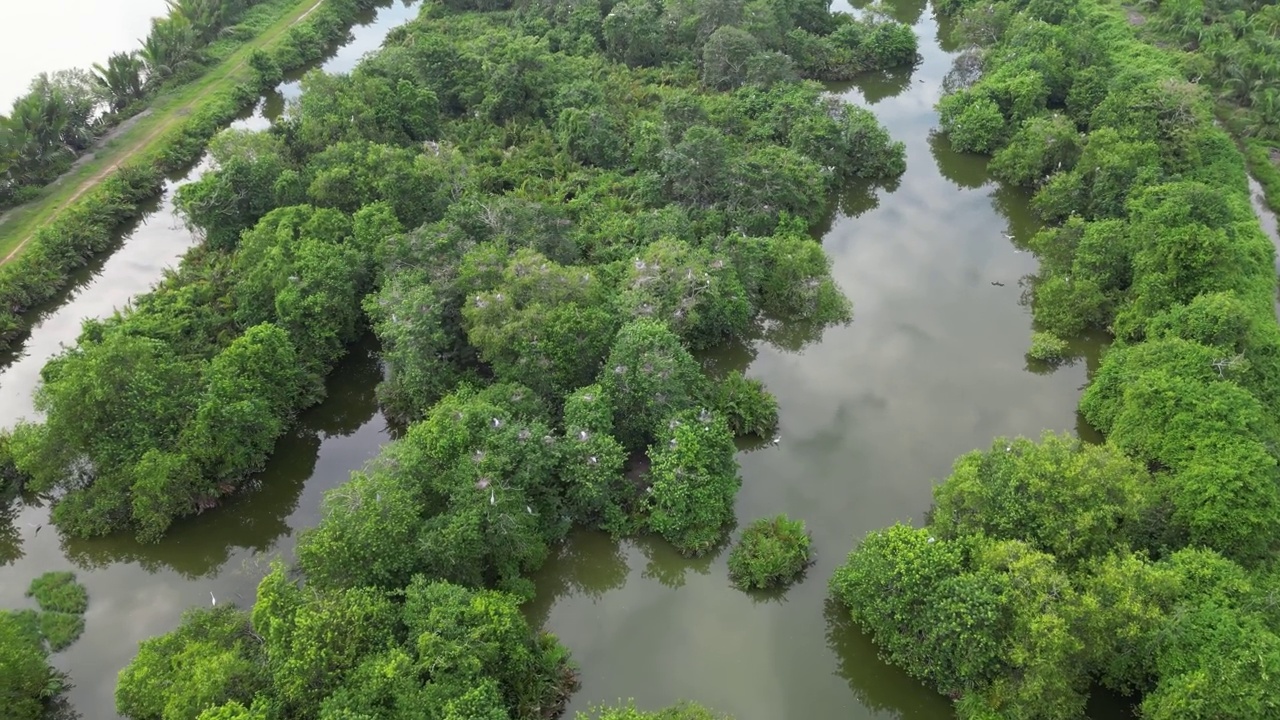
(52, 35)
(873, 414)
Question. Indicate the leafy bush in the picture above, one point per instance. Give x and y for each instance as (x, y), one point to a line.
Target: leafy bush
(771, 552)
(59, 592)
(746, 405)
(61, 629)
(28, 680)
(1047, 347)
(680, 711)
(694, 480)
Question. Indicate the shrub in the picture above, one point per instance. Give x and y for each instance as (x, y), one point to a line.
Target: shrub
(746, 405)
(772, 552)
(1047, 347)
(59, 592)
(61, 629)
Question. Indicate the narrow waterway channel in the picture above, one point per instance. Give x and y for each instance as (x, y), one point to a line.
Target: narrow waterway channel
(873, 414)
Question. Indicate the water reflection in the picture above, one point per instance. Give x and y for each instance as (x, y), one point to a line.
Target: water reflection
(878, 687)
(961, 169)
(668, 567)
(872, 414)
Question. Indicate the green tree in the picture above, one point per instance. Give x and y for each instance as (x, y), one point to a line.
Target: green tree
(648, 377)
(694, 480)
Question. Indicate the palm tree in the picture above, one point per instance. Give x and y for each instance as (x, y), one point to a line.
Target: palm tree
(207, 17)
(169, 47)
(121, 80)
(1264, 118)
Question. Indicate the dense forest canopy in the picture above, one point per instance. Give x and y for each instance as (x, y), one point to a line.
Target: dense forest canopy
(540, 212)
(1145, 565)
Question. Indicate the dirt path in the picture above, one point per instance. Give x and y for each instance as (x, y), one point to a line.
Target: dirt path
(136, 147)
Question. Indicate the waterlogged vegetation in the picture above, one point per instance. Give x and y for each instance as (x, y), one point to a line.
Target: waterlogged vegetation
(29, 686)
(540, 223)
(1144, 565)
(44, 242)
(771, 552)
(63, 113)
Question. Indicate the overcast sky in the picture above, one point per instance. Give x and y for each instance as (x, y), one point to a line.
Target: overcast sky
(47, 35)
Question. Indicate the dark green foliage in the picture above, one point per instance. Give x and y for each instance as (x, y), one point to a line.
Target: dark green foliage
(746, 405)
(61, 629)
(771, 552)
(648, 378)
(59, 592)
(538, 237)
(469, 486)
(592, 462)
(10, 478)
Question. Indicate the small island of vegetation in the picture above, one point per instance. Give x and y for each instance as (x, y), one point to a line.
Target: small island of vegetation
(29, 685)
(772, 552)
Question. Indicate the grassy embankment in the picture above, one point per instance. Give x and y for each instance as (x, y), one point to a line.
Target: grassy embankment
(43, 242)
(166, 111)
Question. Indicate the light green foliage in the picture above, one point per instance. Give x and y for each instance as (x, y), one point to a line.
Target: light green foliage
(1047, 347)
(227, 202)
(694, 479)
(232, 710)
(746, 405)
(1041, 147)
(363, 106)
(349, 653)
(300, 636)
(972, 122)
(61, 629)
(10, 477)
(1070, 500)
(210, 659)
(789, 278)
(1050, 568)
(59, 592)
(680, 711)
(648, 377)
(470, 487)
(696, 294)
(28, 680)
(771, 552)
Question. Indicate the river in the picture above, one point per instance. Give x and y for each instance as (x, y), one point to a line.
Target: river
(873, 414)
